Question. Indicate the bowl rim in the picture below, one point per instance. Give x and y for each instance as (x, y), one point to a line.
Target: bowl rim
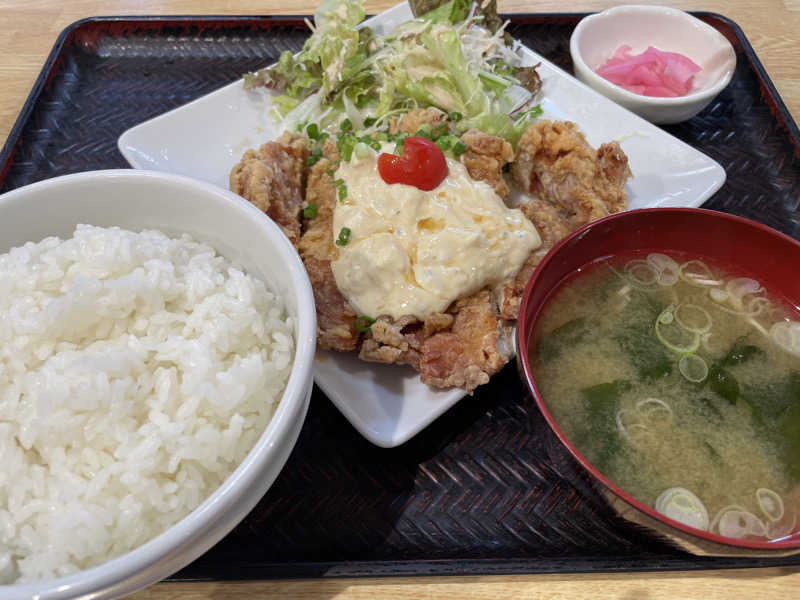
(653, 101)
(124, 574)
(526, 322)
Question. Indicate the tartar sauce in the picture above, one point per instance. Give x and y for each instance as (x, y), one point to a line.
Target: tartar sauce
(413, 252)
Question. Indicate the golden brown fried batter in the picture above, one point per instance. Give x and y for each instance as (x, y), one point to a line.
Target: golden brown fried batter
(614, 164)
(574, 184)
(475, 348)
(411, 121)
(335, 317)
(393, 342)
(555, 163)
(550, 221)
(552, 224)
(485, 157)
(273, 179)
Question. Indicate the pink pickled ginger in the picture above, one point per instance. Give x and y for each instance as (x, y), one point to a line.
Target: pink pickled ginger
(651, 73)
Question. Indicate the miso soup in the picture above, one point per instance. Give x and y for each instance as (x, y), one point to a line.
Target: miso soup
(681, 384)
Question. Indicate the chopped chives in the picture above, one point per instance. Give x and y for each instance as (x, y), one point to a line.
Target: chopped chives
(362, 323)
(344, 236)
(310, 211)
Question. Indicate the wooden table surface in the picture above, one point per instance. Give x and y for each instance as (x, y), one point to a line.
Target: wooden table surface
(29, 29)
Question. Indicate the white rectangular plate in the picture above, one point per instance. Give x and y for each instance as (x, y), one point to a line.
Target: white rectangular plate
(388, 404)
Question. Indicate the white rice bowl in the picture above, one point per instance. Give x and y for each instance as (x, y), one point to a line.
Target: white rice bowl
(136, 372)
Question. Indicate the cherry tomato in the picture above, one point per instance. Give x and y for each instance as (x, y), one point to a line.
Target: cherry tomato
(422, 164)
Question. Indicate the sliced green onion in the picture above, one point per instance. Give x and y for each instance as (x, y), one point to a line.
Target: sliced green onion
(425, 130)
(739, 287)
(446, 142)
(440, 130)
(346, 125)
(675, 337)
(786, 335)
(345, 142)
(662, 262)
(455, 116)
(667, 278)
(715, 521)
(693, 318)
(667, 269)
(693, 368)
(362, 151)
(655, 410)
(344, 236)
(363, 323)
(783, 527)
(314, 158)
(696, 272)
(621, 417)
(683, 506)
(459, 148)
(770, 503)
(641, 273)
(755, 306)
(310, 211)
(370, 121)
(718, 295)
(737, 524)
(312, 131)
(636, 433)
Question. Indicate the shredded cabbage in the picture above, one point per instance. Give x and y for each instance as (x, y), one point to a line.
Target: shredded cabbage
(448, 58)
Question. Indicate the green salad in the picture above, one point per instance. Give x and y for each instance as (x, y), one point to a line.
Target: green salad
(454, 56)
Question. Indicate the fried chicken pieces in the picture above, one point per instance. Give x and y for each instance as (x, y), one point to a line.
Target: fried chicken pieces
(273, 179)
(471, 340)
(574, 182)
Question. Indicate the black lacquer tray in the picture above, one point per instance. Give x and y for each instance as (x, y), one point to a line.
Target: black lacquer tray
(474, 493)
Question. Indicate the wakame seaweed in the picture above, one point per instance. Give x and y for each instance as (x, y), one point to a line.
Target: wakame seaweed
(721, 380)
(740, 353)
(602, 406)
(723, 383)
(647, 355)
(775, 410)
(789, 441)
(565, 336)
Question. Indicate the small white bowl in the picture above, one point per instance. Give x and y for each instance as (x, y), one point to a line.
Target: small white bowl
(175, 204)
(597, 37)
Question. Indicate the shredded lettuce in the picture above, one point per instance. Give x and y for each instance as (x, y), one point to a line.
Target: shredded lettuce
(453, 11)
(446, 58)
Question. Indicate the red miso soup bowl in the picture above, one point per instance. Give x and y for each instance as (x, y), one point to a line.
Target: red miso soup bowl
(750, 248)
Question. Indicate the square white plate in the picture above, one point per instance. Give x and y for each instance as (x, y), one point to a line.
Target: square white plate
(388, 404)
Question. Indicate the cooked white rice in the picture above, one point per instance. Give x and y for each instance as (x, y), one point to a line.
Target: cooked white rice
(136, 372)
